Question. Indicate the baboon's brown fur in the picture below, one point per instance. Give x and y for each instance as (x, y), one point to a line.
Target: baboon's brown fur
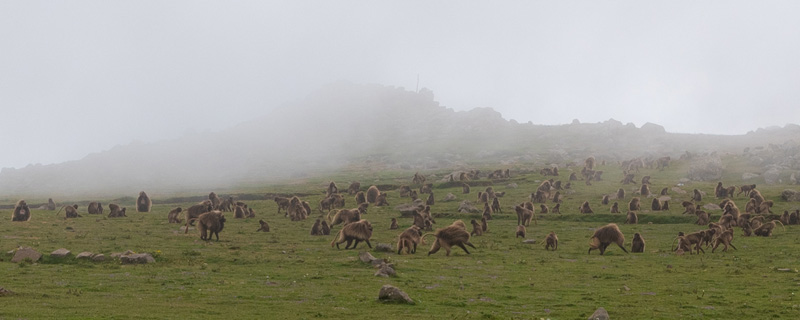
(326, 230)
(354, 187)
(556, 208)
(381, 200)
(615, 207)
(51, 205)
(632, 218)
(409, 239)
(637, 245)
(725, 239)
(316, 229)
(484, 225)
(210, 224)
(143, 203)
(702, 218)
(585, 208)
(297, 209)
(116, 211)
(524, 215)
(358, 231)
(665, 205)
(656, 205)
(449, 236)
(215, 200)
(605, 200)
(344, 216)
(665, 191)
(94, 208)
(634, 204)
(426, 188)
(646, 180)
(487, 211)
(193, 212)
(283, 203)
(332, 189)
(361, 198)
(464, 188)
(644, 190)
(551, 241)
(543, 208)
(263, 226)
(765, 230)
(589, 162)
(431, 201)
(557, 185)
(687, 240)
(174, 214)
(688, 207)
(621, 194)
(477, 229)
(746, 189)
(418, 178)
(372, 194)
(413, 194)
(697, 196)
(239, 212)
(628, 178)
(521, 232)
(496, 206)
(573, 177)
(606, 235)
(393, 225)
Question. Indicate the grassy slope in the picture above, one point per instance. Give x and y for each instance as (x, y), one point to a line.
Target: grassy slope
(289, 274)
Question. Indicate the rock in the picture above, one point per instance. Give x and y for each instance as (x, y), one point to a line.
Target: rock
(118, 254)
(771, 176)
(790, 195)
(385, 270)
(409, 209)
(711, 206)
(684, 180)
(706, 169)
(84, 255)
(4, 292)
(529, 241)
(137, 258)
(390, 293)
(599, 314)
(60, 253)
(366, 257)
(793, 179)
(678, 190)
(748, 176)
(512, 185)
(449, 197)
(467, 207)
(99, 257)
(383, 247)
(24, 253)
(664, 198)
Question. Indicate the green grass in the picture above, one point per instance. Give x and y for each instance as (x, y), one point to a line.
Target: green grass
(289, 274)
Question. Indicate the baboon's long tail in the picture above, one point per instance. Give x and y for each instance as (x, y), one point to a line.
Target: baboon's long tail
(338, 234)
(59, 210)
(784, 227)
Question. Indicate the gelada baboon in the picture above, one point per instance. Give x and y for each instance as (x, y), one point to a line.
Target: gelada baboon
(637, 245)
(697, 196)
(409, 239)
(70, 211)
(194, 212)
(615, 207)
(381, 200)
(173, 215)
(116, 211)
(51, 205)
(372, 194)
(452, 235)
(524, 215)
(239, 212)
(215, 200)
(361, 198)
(606, 235)
(746, 189)
(702, 218)
(656, 205)
(487, 211)
(665, 205)
(431, 201)
(646, 180)
(484, 225)
(94, 208)
(632, 218)
(688, 240)
(283, 203)
(605, 200)
(477, 229)
(332, 189)
(316, 229)
(426, 188)
(556, 208)
(496, 206)
(210, 224)
(297, 210)
(589, 163)
(263, 226)
(521, 232)
(573, 177)
(393, 225)
(344, 216)
(634, 205)
(644, 190)
(143, 203)
(665, 191)
(354, 187)
(621, 194)
(765, 230)
(326, 230)
(551, 241)
(544, 209)
(21, 212)
(585, 208)
(418, 178)
(357, 231)
(464, 188)
(725, 239)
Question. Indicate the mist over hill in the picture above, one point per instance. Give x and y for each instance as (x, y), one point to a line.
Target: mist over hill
(350, 125)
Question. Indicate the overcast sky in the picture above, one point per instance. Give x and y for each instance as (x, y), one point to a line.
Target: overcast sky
(82, 76)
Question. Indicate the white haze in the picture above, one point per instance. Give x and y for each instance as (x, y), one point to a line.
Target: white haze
(78, 77)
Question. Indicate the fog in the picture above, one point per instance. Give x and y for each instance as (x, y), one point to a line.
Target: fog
(78, 78)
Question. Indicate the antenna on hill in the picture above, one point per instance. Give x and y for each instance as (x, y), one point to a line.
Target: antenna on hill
(417, 90)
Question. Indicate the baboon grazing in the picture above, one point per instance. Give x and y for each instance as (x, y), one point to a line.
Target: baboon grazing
(357, 231)
(765, 230)
(464, 188)
(765, 207)
(361, 198)
(615, 207)
(326, 204)
(94, 208)
(173, 215)
(551, 241)
(372, 194)
(637, 245)
(656, 205)
(725, 239)
(573, 177)
(496, 206)
(729, 191)
(688, 207)
(413, 195)
(634, 204)
(521, 232)
(263, 226)
(21, 212)
(381, 200)
(645, 190)
(409, 239)
(489, 191)
(585, 208)
(557, 185)
(393, 225)
(568, 185)
(250, 213)
(598, 175)
(544, 208)
(418, 179)
(524, 215)
(316, 229)
(215, 200)
(354, 187)
(116, 211)
(632, 218)
(628, 178)
(487, 211)
(605, 200)
(431, 201)
(70, 211)
(646, 180)
(51, 205)
(746, 189)
(662, 163)
(332, 189)
(621, 194)
(527, 205)
(484, 225)
(697, 196)
(477, 229)
(449, 236)
(665, 191)
(606, 235)
(283, 203)
(143, 203)
(426, 188)
(210, 224)
(193, 212)
(226, 205)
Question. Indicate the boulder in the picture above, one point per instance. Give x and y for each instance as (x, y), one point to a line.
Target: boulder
(84, 255)
(383, 247)
(790, 195)
(60, 253)
(772, 176)
(366, 257)
(391, 293)
(706, 169)
(99, 257)
(449, 197)
(24, 253)
(467, 207)
(137, 258)
(385, 270)
(408, 209)
(711, 206)
(599, 314)
(748, 176)
(512, 185)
